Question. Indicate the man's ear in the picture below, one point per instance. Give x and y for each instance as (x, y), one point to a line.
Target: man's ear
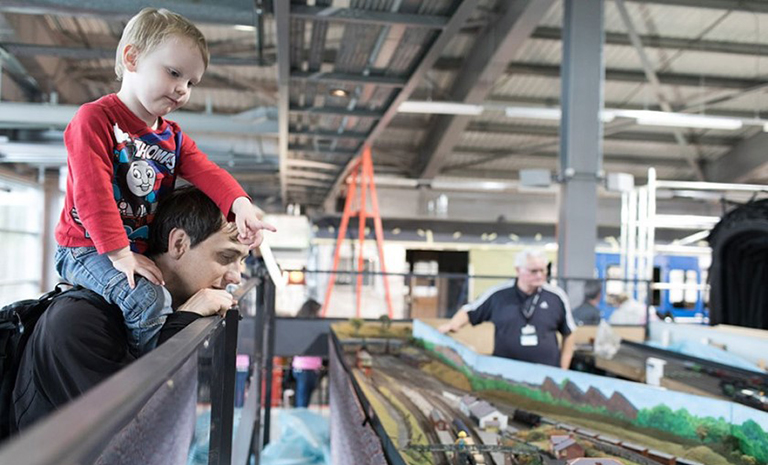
(178, 243)
(130, 57)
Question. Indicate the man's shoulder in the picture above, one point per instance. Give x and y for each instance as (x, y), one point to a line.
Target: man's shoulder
(74, 315)
(501, 291)
(552, 292)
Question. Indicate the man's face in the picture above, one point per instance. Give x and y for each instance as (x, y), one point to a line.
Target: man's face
(534, 274)
(213, 263)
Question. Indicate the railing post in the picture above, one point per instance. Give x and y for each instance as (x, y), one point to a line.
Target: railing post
(223, 391)
(258, 359)
(269, 350)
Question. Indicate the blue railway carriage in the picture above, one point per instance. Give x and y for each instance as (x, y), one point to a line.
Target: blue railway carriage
(682, 304)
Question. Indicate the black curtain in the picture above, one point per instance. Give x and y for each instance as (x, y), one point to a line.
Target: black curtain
(739, 272)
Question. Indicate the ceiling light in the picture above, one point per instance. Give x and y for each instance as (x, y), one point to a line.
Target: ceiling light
(337, 92)
(680, 120)
(442, 108)
(534, 113)
(244, 28)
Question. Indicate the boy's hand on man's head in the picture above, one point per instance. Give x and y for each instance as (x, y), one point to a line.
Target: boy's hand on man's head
(130, 263)
(249, 225)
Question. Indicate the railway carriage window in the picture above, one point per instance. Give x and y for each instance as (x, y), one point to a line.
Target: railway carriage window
(680, 296)
(692, 289)
(656, 293)
(705, 292)
(676, 283)
(614, 286)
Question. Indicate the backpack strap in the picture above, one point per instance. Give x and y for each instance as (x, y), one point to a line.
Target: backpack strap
(79, 292)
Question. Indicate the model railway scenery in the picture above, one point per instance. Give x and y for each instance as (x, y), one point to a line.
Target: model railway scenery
(437, 411)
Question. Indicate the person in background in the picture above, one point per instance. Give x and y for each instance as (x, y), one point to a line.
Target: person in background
(123, 157)
(587, 313)
(630, 312)
(306, 368)
(527, 314)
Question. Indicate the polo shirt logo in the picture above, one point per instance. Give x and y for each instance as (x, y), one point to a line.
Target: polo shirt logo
(544, 305)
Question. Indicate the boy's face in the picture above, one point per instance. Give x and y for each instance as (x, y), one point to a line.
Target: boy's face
(161, 80)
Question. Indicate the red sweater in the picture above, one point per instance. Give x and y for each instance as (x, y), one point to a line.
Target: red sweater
(119, 169)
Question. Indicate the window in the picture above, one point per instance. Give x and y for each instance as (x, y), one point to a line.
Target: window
(683, 292)
(349, 268)
(21, 213)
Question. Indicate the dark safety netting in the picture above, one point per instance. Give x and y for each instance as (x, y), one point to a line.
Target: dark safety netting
(739, 272)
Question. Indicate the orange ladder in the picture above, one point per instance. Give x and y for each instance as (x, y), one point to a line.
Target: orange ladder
(362, 168)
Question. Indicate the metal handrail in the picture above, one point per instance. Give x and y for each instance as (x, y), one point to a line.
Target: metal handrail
(454, 275)
(78, 432)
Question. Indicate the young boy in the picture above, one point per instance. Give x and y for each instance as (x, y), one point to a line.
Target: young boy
(123, 157)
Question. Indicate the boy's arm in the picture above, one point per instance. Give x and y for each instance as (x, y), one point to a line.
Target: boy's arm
(88, 140)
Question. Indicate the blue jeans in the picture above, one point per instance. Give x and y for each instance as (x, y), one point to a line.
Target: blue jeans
(144, 307)
(306, 381)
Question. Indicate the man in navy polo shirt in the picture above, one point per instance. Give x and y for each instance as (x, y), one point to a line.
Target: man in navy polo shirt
(527, 313)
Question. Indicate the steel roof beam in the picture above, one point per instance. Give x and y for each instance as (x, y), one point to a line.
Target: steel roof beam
(336, 111)
(327, 134)
(283, 36)
(749, 6)
(81, 53)
(653, 41)
(45, 116)
(359, 16)
(356, 79)
(622, 75)
(320, 151)
(485, 63)
(741, 163)
(673, 79)
(554, 131)
(608, 157)
(219, 12)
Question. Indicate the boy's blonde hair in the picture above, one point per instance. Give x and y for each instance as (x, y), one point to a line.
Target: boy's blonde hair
(150, 27)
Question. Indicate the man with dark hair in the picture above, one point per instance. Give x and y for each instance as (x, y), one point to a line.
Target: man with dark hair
(587, 313)
(76, 344)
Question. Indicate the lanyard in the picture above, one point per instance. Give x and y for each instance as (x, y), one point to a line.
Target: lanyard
(528, 311)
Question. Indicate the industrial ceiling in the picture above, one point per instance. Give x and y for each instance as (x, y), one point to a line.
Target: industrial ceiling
(296, 89)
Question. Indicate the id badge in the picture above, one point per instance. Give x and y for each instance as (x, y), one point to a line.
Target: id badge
(528, 336)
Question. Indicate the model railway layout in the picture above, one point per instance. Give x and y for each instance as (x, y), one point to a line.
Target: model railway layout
(432, 420)
(687, 373)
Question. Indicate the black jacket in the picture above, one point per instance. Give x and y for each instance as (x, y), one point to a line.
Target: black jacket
(75, 346)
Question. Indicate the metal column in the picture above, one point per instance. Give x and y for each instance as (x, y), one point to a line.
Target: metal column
(582, 75)
(51, 211)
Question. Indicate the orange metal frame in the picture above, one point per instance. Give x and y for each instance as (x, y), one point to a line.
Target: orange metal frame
(362, 169)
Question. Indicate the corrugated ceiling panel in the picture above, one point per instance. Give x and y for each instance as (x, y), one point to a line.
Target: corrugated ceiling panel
(540, 51)
(720, 64)
(663, 20)
(741, 26)
(527, 86)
